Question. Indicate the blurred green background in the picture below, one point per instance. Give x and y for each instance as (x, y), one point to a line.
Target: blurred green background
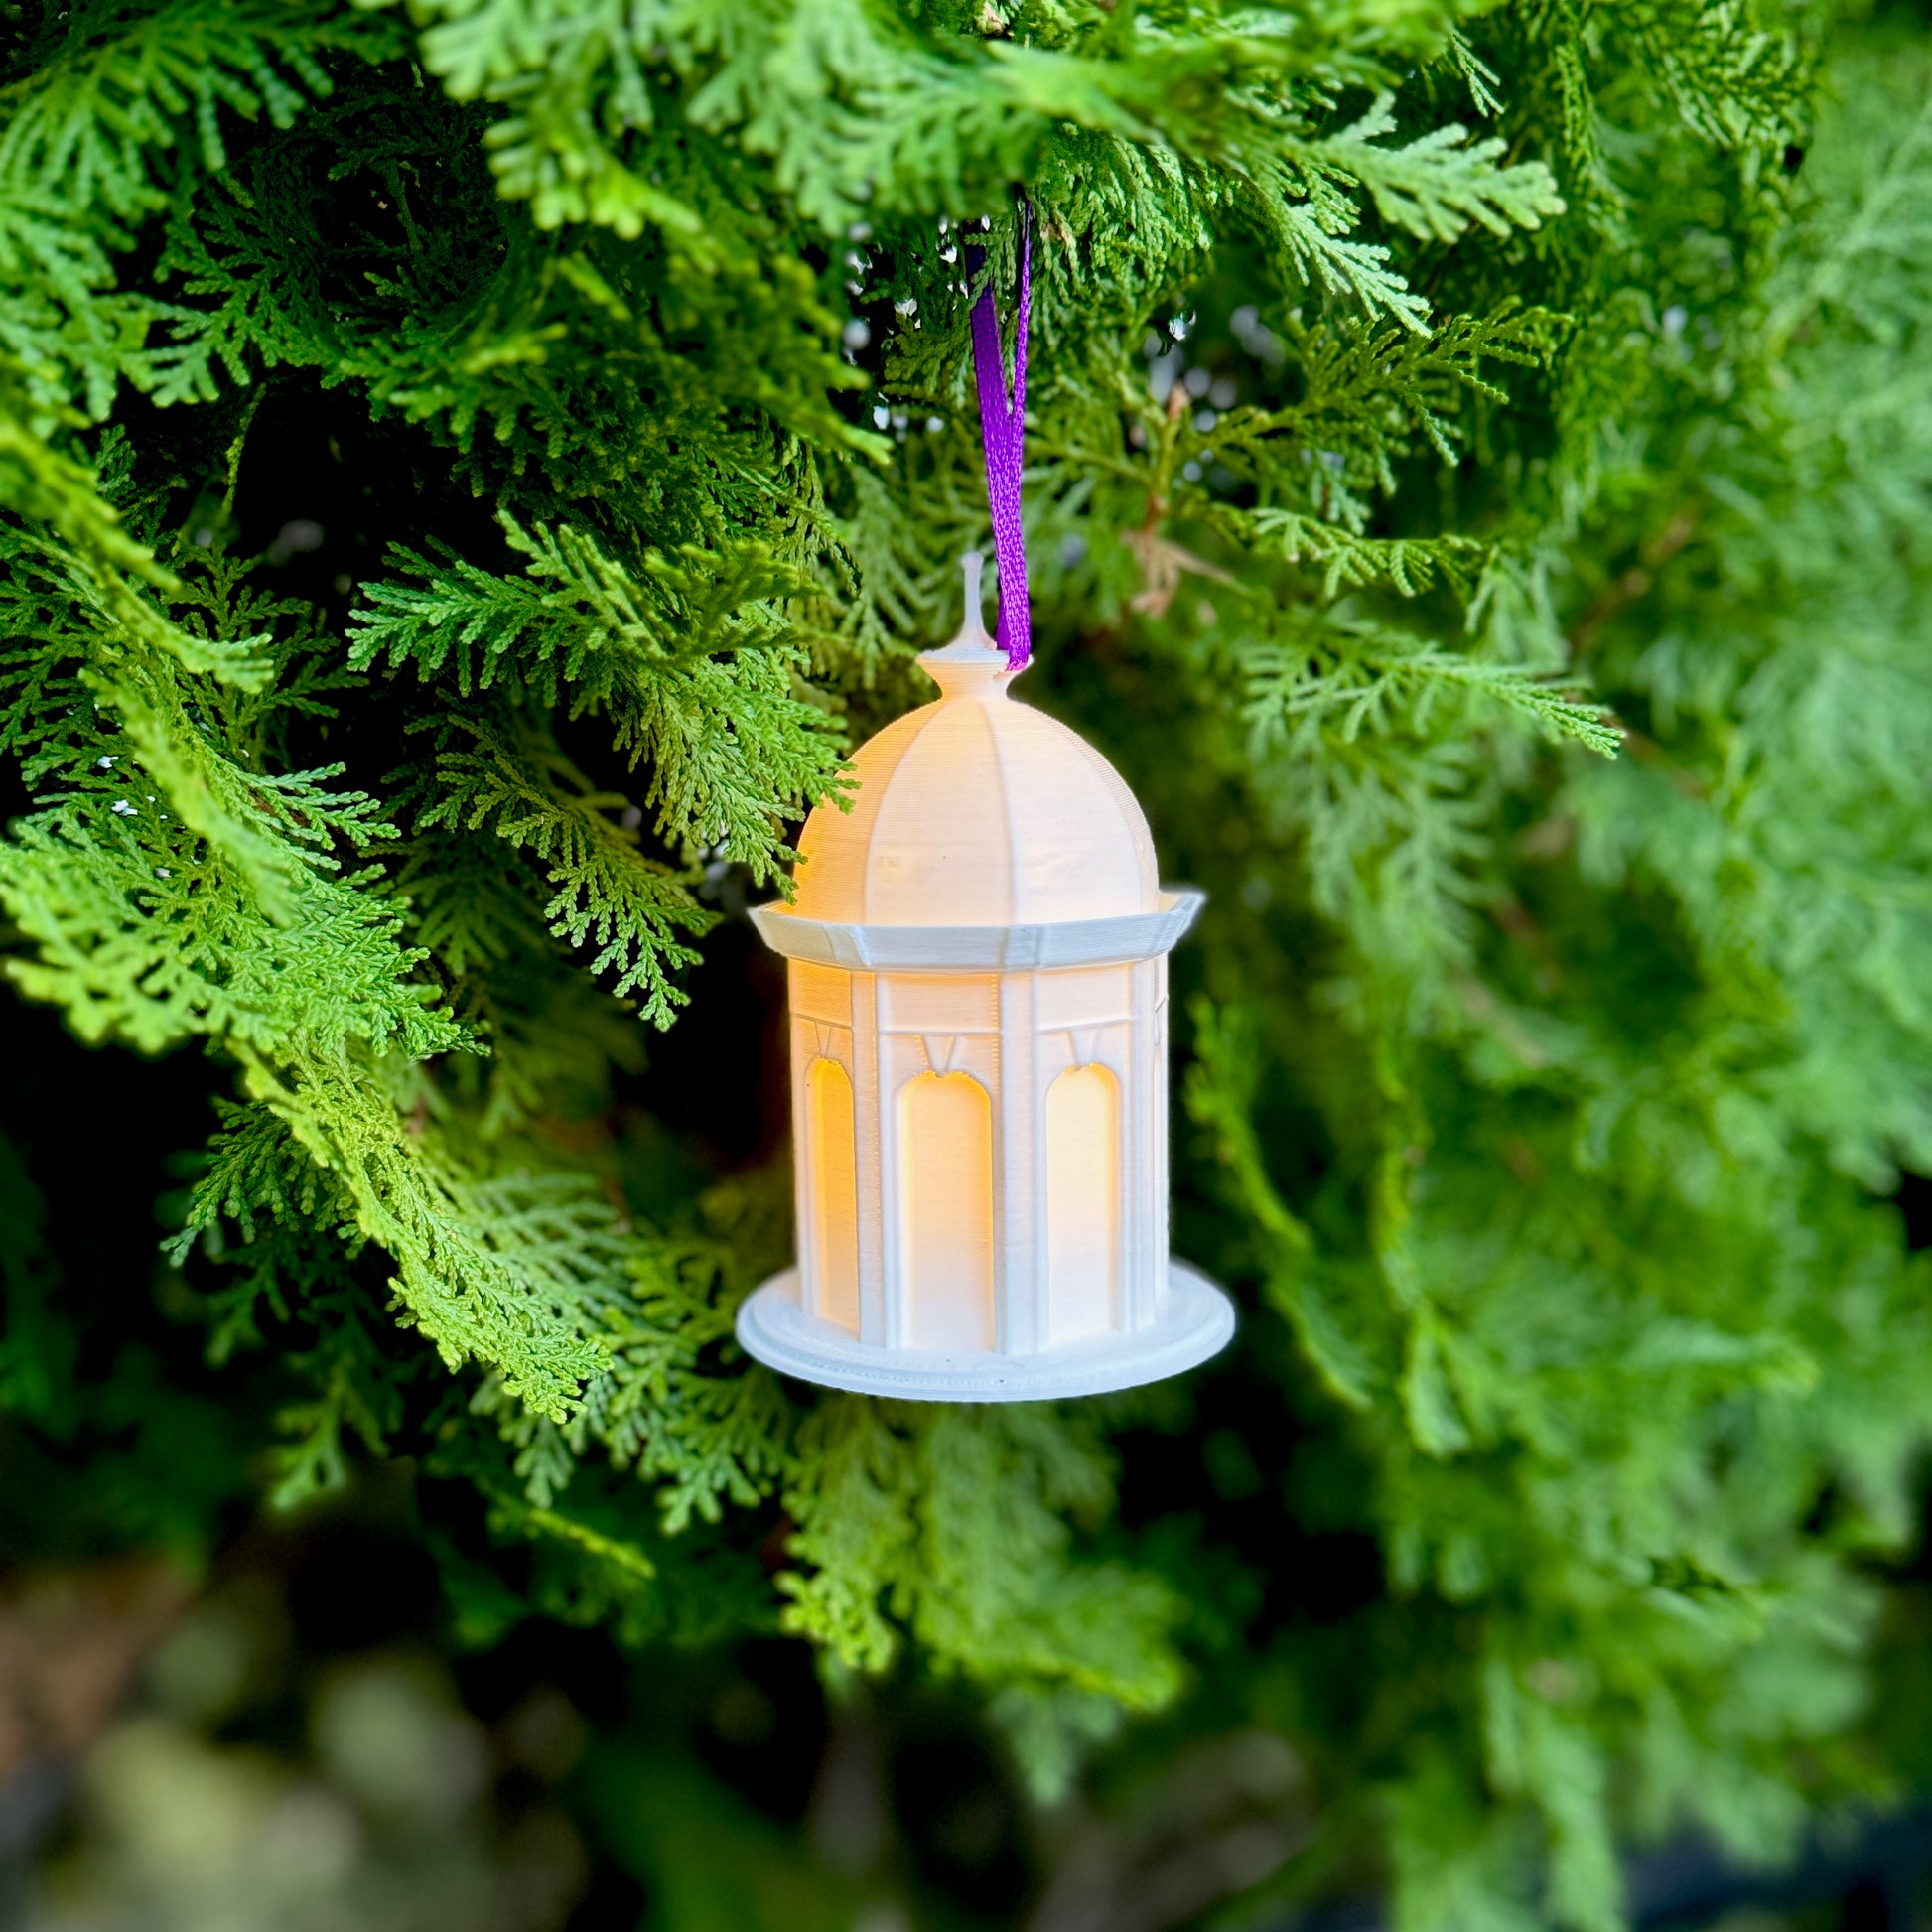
(1553, 1118)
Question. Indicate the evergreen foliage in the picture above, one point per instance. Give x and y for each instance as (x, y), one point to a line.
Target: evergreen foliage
(1476, 472)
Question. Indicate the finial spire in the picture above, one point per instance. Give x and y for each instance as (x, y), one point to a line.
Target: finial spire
(971, 661)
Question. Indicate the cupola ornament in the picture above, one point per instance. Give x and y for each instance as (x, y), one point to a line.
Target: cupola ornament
(979, 1049)
(978, 972)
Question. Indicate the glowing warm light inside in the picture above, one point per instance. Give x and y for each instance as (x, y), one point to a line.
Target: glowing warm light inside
(946, 1222)
(833, 1151)
(1083, 1206)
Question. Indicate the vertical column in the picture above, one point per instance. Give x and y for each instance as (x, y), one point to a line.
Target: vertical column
(1144, 1126)
(1019, 1170)
(1157, 970)
(871, 1125)
(895, 1055)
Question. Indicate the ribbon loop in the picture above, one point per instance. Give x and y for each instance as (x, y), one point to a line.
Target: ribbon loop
(1002, 430)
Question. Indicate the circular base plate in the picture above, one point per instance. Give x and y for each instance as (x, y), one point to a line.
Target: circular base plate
(1195, 1320)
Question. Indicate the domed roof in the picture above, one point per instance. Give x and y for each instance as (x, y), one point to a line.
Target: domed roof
(977, 810)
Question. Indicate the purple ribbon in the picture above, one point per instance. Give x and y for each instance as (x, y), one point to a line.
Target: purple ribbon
(1002, 429)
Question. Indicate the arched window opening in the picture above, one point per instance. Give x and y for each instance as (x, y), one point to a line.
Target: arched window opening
(833, 1156)
(1083, 1204)
(945, 1151)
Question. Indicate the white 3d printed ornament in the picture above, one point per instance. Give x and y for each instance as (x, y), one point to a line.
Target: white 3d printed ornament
(979, 1045)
